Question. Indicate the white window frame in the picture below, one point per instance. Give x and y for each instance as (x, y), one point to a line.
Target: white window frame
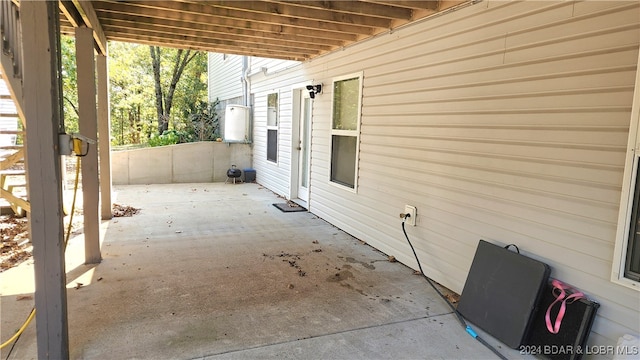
(273, 127)
(354, 133)
(628, 187)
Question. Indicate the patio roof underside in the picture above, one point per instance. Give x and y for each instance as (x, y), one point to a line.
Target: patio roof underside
(290, 30)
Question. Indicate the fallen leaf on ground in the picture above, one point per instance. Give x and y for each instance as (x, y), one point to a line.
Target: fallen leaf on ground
(14, 245)
(123, 210)
(453, 298)
(24, 297)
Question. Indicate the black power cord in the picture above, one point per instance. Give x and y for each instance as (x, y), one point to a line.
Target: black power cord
(464, 324)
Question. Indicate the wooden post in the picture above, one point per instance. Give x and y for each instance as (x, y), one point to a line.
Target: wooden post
(104, 141)
(88, 122)
(42, 103)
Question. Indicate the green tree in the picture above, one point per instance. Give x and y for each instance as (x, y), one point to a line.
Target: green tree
(191, 92)
(134, 115)
(165, 84)
(130, 91)
(69, 83)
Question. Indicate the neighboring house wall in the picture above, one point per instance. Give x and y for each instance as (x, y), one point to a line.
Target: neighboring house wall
(503, 121)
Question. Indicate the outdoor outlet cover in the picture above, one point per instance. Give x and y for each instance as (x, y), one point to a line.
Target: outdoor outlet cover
(411, 210)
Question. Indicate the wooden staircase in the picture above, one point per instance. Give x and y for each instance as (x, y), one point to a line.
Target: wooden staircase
(13, 177)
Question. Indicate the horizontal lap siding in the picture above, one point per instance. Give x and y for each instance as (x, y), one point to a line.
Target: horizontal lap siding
(224, 76)
(513, 131)
(275, 176)
(503, 121)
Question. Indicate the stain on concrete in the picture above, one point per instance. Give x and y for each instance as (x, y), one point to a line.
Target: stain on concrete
(366, 265)
(350, 287)
(340, 276)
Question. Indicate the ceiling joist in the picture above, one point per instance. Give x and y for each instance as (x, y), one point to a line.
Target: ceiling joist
(283, 29)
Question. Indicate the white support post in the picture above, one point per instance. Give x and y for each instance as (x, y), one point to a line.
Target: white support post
(42, 102)
(104, 141)
(88, 121)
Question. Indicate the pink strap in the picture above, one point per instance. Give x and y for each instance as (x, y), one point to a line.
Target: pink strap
(561, 296)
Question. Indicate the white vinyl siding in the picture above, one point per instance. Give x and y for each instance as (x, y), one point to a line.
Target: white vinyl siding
(503, 121)
(225, 76)
(274, 176)
(259, 64)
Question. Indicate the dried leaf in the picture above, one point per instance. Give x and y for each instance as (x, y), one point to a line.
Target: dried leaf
(123, 210)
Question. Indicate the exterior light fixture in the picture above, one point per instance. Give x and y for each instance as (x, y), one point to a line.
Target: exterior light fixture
(314, 89)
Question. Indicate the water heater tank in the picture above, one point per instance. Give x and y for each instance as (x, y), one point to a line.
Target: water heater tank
(236, 124)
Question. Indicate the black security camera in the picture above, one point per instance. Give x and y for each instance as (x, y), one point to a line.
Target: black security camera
(314, 89)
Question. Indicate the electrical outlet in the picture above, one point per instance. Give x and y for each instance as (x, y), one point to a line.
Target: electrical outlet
(412, 211)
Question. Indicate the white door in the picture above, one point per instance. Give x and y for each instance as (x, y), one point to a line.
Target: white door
(304, 144)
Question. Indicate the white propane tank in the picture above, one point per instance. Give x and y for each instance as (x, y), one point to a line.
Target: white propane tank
(236, 123)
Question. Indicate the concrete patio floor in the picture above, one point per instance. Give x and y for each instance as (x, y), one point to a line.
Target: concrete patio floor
(215, 271)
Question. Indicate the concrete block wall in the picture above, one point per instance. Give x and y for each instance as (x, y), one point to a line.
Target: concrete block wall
(182, 163)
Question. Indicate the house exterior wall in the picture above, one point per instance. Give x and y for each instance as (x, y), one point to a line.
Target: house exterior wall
(258, 64)
(225, 74)
(503, 121)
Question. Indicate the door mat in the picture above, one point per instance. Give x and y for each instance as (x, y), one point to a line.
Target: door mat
(289, 207)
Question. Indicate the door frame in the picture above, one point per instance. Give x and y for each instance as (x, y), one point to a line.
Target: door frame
(298, 91)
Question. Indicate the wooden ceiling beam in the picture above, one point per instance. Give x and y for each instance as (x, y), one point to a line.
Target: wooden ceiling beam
(88, 14)
(146, 40)
(175, 26)
(410, 4)
(70, 13)
(214, 43)
(120, 26)
(108, 8)
(293, 10)
(259, 11)
(355, 7)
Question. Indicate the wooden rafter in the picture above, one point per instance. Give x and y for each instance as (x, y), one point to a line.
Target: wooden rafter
(88, 14)
(354, 7)
(215, 38)
(294, 30)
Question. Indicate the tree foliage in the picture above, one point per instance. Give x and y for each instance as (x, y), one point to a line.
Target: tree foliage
(69, 83)
(145, 79)
(165, 86)
(130, 93)
(181, 77)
